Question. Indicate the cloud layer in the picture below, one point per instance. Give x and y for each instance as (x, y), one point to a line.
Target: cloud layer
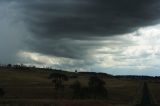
(88, 18)
(81, 34)
(62, 22)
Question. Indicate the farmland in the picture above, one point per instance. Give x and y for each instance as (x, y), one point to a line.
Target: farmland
(33, 88)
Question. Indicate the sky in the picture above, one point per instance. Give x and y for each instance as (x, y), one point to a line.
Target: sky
(119, 37)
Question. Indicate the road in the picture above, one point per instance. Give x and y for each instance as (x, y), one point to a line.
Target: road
(146, 97)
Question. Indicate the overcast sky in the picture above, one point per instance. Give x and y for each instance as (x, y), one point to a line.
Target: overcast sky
(112, 36)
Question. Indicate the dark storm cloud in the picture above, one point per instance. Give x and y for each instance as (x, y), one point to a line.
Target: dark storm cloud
(52, 21)
(56, 25)
(82, 19)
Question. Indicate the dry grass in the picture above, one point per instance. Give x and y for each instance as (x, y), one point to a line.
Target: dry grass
(154, 89)
(35, 89)
(50, 102)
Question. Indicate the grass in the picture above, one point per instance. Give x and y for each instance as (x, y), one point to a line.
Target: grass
(154, 87)
(31, 88)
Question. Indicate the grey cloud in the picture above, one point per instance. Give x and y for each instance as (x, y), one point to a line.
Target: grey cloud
(51, 21)
(88, 18)
(77, 49)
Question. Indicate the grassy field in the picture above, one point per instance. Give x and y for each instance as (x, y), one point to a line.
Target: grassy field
(33, 88)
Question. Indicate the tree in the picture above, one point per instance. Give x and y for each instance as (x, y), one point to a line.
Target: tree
(9, 65)
(58, 80)
(97, 87)
(76, 71)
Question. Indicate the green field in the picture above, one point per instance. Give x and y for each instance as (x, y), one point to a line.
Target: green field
(33, 88)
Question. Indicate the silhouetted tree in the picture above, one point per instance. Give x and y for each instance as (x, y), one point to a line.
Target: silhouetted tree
(9, 65)
(76, 71)
(97, 87)
(58, 80)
